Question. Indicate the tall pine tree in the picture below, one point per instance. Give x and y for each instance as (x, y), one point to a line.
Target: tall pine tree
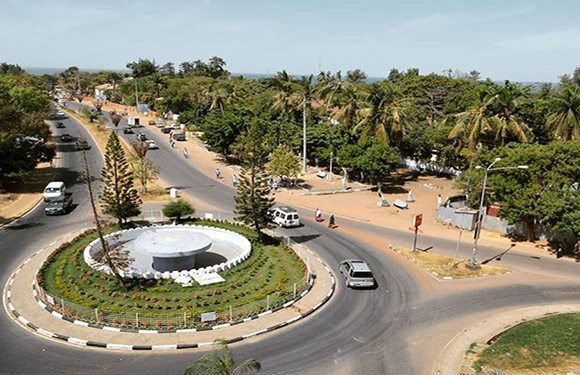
(119, 198)
(252, 202)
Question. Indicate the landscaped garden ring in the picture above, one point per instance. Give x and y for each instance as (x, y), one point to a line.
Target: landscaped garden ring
(272, 277)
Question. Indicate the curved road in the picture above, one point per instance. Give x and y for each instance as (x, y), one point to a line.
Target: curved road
(395, 329)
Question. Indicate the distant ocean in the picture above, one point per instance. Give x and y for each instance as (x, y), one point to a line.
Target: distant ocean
(51, 71)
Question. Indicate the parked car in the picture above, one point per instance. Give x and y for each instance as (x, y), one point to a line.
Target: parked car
(65, 137)
(179, 136)
(166, 130)
(82, 144)
(127, 131)
(60, 125)
(358, 274)
(59, 206)
(286, 217)
(152, 145)
(160, 124)
(142, 137)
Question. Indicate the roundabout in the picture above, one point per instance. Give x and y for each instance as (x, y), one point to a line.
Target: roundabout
(48, 318)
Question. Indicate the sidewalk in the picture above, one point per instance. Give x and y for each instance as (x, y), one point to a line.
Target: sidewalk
(19, 299)
(29, 194)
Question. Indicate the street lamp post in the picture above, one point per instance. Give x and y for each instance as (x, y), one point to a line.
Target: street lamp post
(304, 170)
(473, 260)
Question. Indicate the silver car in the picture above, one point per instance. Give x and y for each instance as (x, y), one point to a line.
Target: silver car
(358, 274)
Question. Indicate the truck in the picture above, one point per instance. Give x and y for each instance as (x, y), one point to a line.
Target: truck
(133, 122)
(58, 205)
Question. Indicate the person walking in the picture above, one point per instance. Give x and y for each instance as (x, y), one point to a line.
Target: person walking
(331, 223)
(218, 173)
(185, 153)
(234, 181)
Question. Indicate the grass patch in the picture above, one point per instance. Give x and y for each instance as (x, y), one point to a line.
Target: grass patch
(271, 270)
(551, 342)
(446, 266)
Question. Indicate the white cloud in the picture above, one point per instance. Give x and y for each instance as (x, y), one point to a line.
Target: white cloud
(552, 40)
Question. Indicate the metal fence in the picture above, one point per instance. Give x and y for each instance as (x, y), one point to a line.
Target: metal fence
(188, 317)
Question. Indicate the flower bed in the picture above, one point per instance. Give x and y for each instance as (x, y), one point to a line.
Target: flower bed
(265, 280)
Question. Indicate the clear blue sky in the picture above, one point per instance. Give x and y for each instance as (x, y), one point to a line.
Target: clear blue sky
(531, 40)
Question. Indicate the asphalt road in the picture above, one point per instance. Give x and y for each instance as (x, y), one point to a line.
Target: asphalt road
(359, 332)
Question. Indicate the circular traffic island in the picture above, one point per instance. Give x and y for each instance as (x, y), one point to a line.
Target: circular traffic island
(216, 273)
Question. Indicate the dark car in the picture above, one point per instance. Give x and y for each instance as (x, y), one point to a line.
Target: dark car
(82, 144)
(179, 136)
(127, 131)
(66, 137)
(58, 206)
(60, 125)
(166, 130)
(141, 137)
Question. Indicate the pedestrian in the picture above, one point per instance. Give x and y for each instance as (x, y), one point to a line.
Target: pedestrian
(234, 181)
(438, 201)
(559, 250)
(218, 173)
(185, 153)
(331, 223)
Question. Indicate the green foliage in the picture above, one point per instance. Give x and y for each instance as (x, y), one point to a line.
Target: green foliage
(144, 170)
(23, 133)
(178, 209)
(66, 275)
(564, 118)
(222, 363)
(11, 69)
(373, 161)
(535, 345)
(283, 162)
(119, 197)
(252, 202)
(142, 67)
(544, 193)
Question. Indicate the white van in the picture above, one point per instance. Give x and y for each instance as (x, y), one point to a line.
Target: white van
(55, 189)
(286, 217)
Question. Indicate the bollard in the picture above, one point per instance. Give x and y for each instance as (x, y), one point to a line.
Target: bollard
(268, 302)
(97, 314)
(294, 290)
(231, 314)
(184, 320)
(137, 320)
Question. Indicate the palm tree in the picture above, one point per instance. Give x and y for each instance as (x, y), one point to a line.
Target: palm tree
(493, 113)
(564, 119)
(285, 99)
(222, 363)
(382, 114)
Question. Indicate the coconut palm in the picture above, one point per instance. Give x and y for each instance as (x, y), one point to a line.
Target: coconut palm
(564, 119)
(493, 113)
(381, 114)
(222, 363)
(285, 100)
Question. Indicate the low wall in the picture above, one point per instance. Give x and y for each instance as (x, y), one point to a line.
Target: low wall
(130, 234)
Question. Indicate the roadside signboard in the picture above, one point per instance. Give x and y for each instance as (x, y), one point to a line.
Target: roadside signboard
(417, 220)
(208, 317)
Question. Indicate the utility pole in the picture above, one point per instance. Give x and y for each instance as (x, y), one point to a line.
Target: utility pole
(136, 95)
(330, 171)
(304, 134)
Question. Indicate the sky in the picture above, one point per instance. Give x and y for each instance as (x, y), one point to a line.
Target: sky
(525, 41)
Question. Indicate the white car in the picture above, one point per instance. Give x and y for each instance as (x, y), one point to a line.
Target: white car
(152, 145)
(54, 190)
(60, 114)
(358, 274)
(286, 217)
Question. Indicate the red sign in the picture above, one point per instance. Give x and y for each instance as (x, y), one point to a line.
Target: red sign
(417, 220)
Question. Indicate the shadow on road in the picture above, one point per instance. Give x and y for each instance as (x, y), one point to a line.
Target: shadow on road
(24, 226)
(306, 238)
